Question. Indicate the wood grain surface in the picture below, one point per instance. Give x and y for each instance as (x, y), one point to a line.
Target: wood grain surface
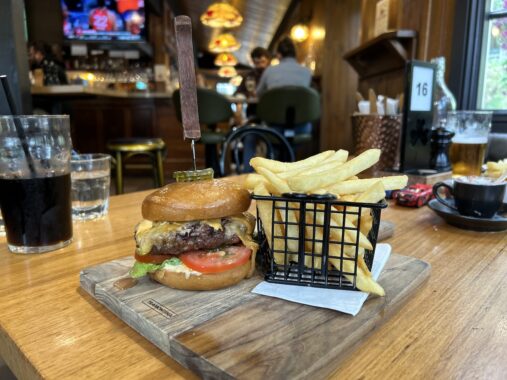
(206, 331)
(188, 91)
(453, 328)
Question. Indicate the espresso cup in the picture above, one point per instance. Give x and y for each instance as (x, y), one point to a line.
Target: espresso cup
(480, 197)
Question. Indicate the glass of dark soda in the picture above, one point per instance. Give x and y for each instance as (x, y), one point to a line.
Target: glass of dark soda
(35, 182)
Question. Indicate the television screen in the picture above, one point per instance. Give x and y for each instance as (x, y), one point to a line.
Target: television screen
(103, 20)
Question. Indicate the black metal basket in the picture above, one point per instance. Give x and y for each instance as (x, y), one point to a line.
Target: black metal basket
(302, 248)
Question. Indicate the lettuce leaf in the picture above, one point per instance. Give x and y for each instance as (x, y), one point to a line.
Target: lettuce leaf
(173, 261)
(142, 269)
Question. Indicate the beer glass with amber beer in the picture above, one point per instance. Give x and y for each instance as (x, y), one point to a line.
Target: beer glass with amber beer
(470, 141)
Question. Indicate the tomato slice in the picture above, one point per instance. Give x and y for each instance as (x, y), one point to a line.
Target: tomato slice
(152, 259)
(216, 261)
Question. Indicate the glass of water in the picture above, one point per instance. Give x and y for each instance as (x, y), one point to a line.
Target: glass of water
(90, 175)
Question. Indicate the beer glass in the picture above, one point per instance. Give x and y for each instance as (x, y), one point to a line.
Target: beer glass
(35, 182)
(470, 141)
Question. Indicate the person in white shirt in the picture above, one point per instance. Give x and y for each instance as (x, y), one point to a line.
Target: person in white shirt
(287, 73)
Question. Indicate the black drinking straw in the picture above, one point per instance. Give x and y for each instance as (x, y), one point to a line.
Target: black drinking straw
(14, 111)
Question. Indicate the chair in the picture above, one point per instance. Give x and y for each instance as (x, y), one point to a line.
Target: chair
(289, 106)
(125, 148)
(213, 108)
(497, 146)
(271, 137)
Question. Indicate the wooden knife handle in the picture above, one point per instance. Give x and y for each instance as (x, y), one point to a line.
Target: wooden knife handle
(188, 91)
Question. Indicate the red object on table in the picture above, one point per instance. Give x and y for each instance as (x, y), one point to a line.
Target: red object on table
(414, 196)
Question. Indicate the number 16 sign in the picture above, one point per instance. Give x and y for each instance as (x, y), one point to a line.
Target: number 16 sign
(418, 116)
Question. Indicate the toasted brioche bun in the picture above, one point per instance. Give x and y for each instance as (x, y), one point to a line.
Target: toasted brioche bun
(187, 201)
(210, 281)
(239, 179)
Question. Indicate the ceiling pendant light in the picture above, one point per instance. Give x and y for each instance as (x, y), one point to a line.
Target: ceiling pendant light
(221, 15)
(299, 32)
(226, 59)
(227, 72)
(236, 81)
(224, 43)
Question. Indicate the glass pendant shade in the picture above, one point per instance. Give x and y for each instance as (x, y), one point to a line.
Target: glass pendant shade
(226, 59)
(224, 43)
(221, 15)
(227, 72)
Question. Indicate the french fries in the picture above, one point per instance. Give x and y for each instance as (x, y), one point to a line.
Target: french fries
(358, 185)
(327, 172)
(277, 166)
(334, 162)
(496, 169)
(308, 183)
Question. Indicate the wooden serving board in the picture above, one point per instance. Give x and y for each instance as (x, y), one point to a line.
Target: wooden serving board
(233, 333)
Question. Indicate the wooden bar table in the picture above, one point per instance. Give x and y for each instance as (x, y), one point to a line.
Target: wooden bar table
(454, 327)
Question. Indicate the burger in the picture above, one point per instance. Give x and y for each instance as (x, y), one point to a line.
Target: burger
(196, 236)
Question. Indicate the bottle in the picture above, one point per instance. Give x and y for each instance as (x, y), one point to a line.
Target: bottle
(443, 99)
(443, 102)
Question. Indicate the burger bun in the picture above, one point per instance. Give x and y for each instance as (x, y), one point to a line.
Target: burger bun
(188, 201)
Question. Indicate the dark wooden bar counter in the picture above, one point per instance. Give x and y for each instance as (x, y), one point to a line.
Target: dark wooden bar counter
(98, 115)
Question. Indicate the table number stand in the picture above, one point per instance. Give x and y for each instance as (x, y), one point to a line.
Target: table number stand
(415, 149)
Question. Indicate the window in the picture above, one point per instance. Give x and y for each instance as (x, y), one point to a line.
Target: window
(478, 76)
(493, 79)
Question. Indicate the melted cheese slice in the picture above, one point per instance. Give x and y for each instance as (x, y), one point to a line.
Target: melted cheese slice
(245, 235)
(146, 228)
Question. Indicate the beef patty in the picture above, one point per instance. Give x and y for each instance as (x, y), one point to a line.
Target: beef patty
(191, 236)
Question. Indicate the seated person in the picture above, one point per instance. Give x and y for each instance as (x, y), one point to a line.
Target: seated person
(261, 59)
(287, 73)
(41, 57)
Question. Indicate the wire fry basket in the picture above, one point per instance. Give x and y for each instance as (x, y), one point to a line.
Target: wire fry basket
(316, 240)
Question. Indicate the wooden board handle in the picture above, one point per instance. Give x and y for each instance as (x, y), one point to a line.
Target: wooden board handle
(188, 91)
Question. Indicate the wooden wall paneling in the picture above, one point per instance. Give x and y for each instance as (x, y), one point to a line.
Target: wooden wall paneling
(312, 48)
(441, 28)
(339, 81)
(86, 127)
(413, 14)
(143, 120)
(368, 8)
(390, 84)
(433, 20)
(116, 121)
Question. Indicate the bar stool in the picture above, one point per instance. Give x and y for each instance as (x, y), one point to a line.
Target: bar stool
(125, 148)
